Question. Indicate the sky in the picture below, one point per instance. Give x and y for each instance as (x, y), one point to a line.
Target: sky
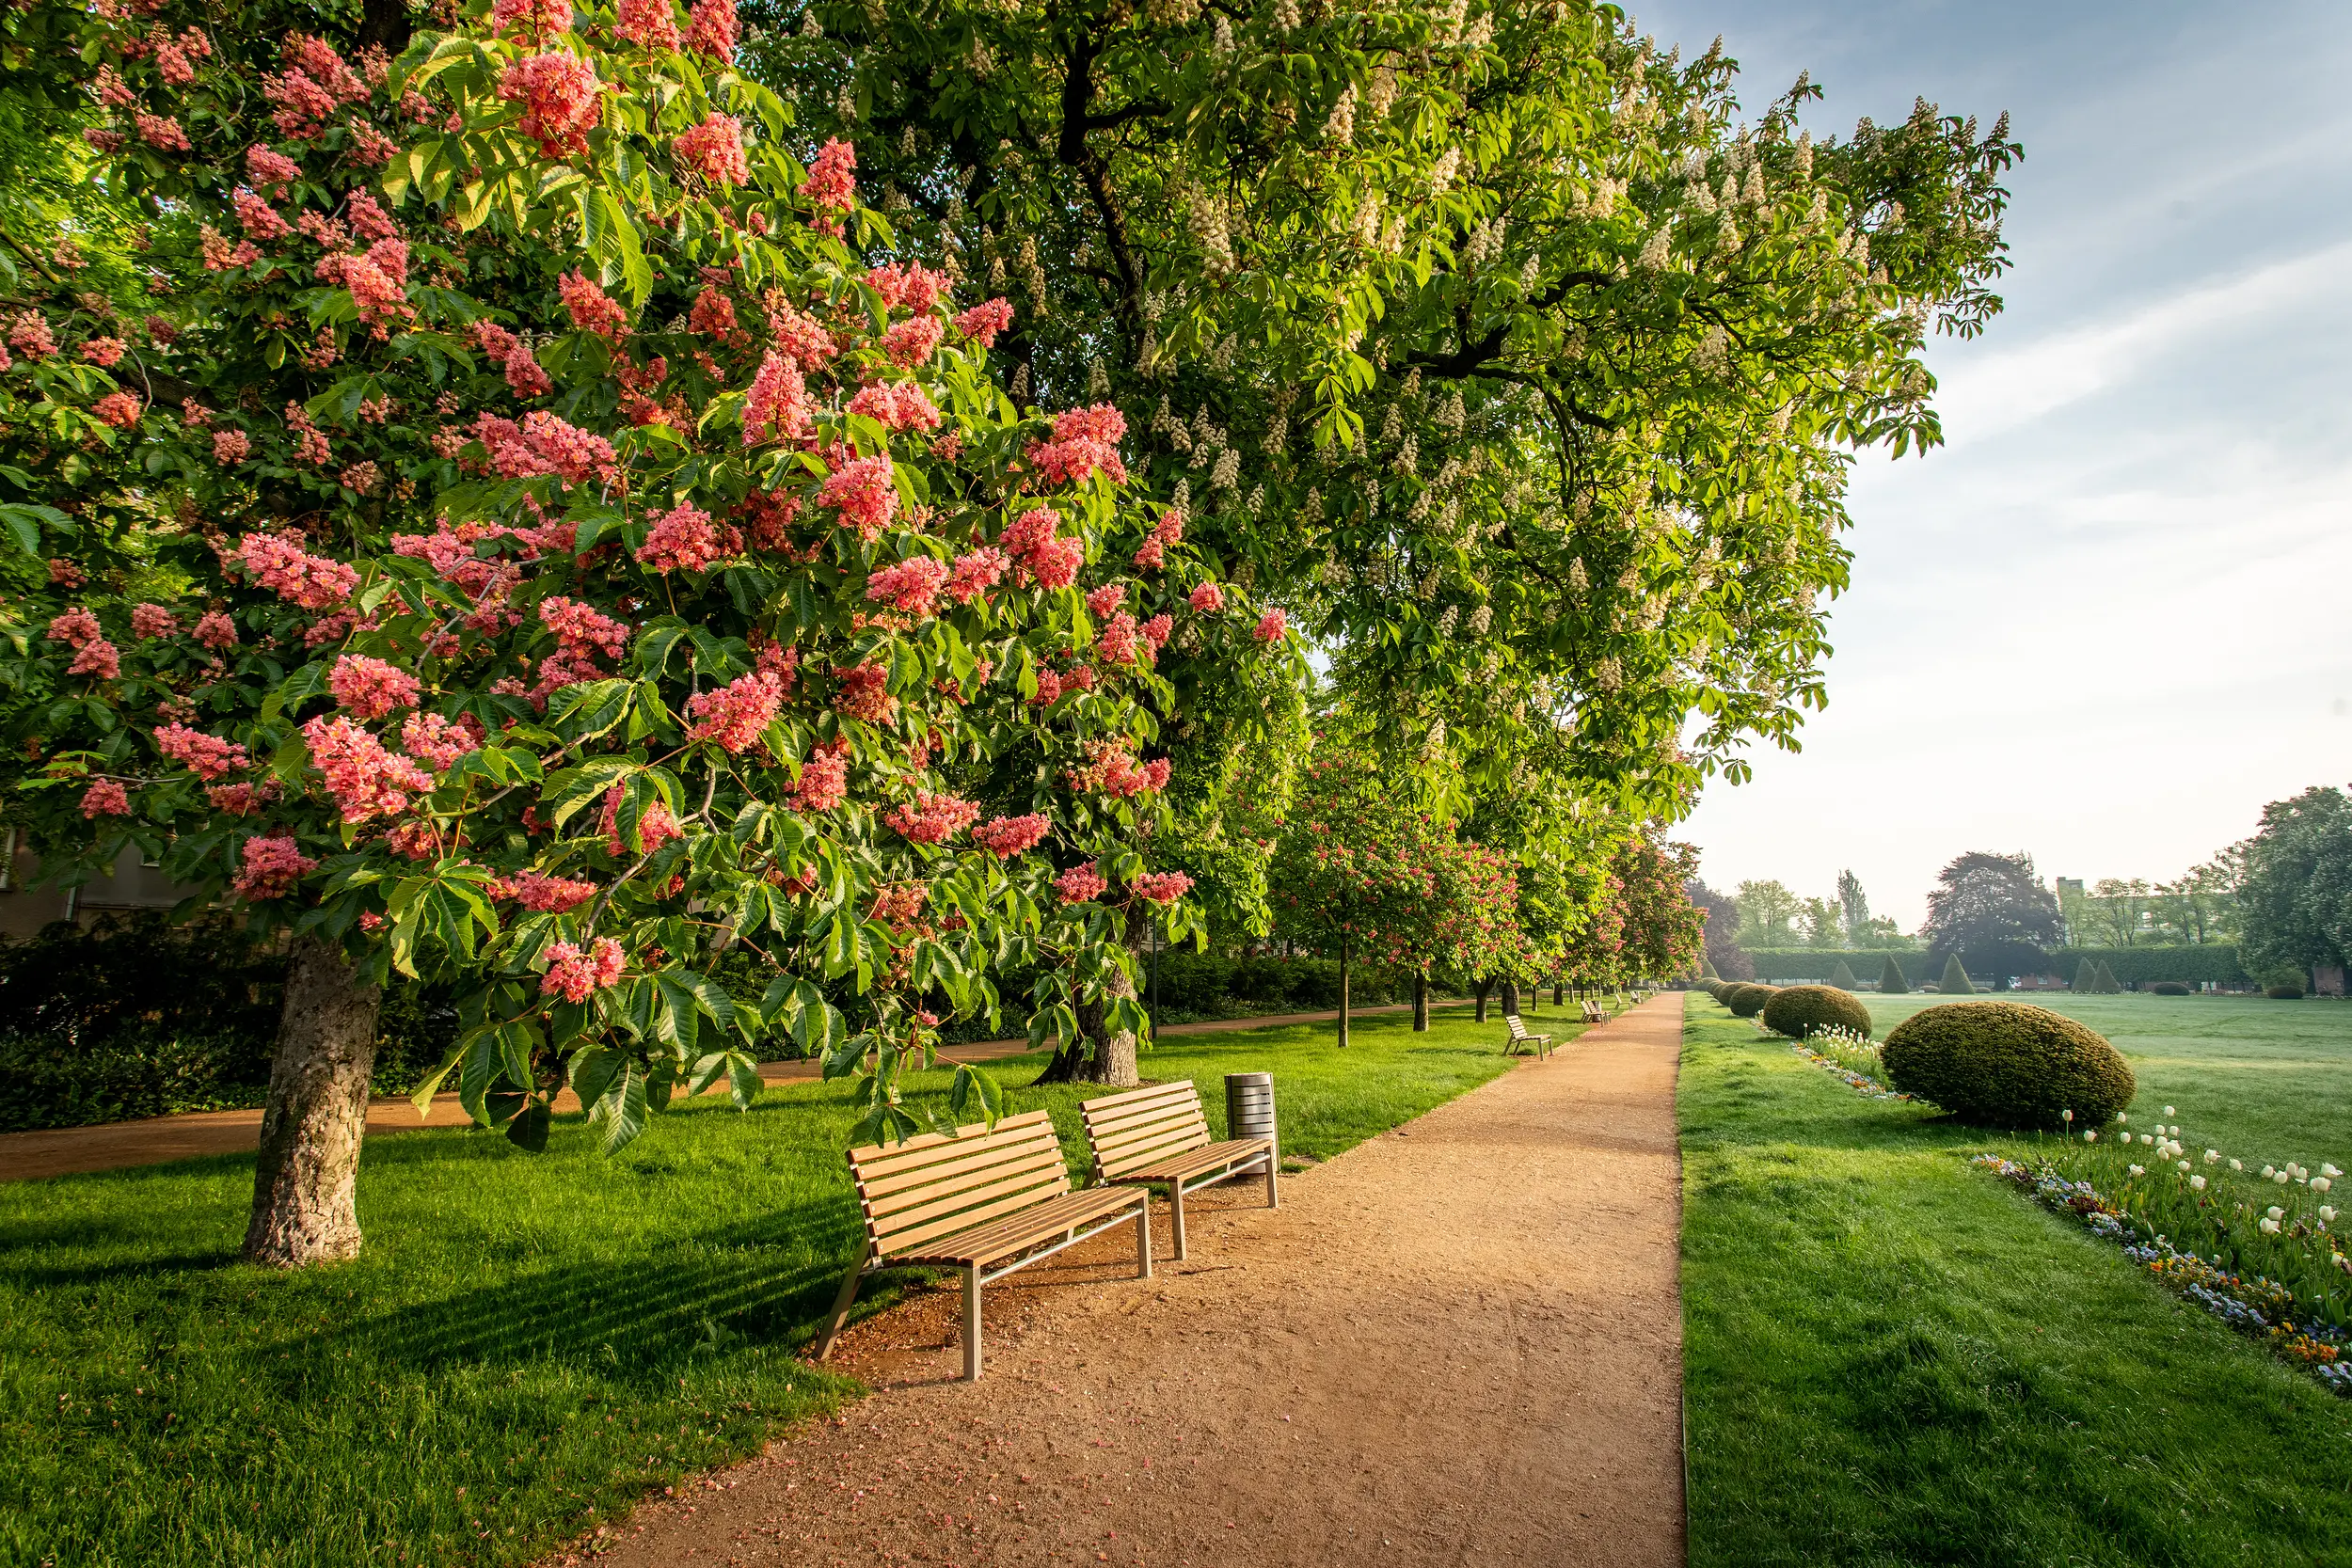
(2103, 623)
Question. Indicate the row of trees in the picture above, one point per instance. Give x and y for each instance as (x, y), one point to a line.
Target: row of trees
(581, 503)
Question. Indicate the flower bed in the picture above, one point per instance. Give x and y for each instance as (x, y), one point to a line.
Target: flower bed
(1852, 1057)
(2255, 1251)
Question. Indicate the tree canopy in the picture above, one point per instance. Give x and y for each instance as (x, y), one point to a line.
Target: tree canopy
(1495, 345)
(1992, 911)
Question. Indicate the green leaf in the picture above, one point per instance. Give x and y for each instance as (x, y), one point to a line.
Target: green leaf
(744, 1081)
(592, 1070)
(529, 1130)
(621, 1110)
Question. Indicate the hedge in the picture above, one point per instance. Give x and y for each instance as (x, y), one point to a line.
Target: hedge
(2142, 966)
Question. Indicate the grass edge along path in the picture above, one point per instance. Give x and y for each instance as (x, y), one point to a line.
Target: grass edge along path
(1890, 1358)
(526, 1347)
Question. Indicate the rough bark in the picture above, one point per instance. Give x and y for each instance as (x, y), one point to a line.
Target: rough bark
(1097, 1055)
(1510, 996)
(1483, 987)
(304, 1183)
(1420, 1004)
(1559, 992)
(1343, 956)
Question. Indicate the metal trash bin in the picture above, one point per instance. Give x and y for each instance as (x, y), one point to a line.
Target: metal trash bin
(1249, 1114)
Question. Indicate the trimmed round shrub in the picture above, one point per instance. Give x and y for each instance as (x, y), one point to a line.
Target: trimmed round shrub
(2007, 1064)
(1800, 1012)
(2291, 993)
(1746, 1001)
(2168, 988)
(2283, 984)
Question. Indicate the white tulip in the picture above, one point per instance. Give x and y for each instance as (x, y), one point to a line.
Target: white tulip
(2120, 1117)
(2091, 1137)
(2327, 1215)
(2270, 1228)
(2184, 1164)
(2277, 1213)
(2329, 1171)
(2213, 1156)
(2140, 1170)
(2196, 1183)
(2238, 1164)
(2268, 1172)
(2167, 1109)
(2320, 1183)
(2283, 1178)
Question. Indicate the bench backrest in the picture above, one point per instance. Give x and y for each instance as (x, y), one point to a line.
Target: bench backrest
(938, 1184)
(1131, 1131)
(1518, 1026)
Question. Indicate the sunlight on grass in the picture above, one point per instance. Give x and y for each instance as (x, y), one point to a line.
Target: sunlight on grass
(1892, 1359)
(528, 1343)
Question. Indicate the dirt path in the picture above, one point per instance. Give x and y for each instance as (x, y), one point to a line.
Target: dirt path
(1457, 1343)
(62, 1150)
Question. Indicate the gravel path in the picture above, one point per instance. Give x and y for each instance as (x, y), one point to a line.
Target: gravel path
(1457, 1343)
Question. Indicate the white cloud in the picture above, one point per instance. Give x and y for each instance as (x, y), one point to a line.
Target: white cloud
(2006, 388)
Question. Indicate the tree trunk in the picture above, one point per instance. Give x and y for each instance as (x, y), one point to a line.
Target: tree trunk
(1559, 992)
(1420, 1004)
(1480, 990)
(1510, 995)
(303, 1209)
(1097, 1056)
(1343, 955)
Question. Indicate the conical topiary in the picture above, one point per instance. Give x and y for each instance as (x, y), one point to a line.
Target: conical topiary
(2086, 978)
(2108, 984)
(1891, 981)
(1955, 981)
(1707, 970)
(1841, 976)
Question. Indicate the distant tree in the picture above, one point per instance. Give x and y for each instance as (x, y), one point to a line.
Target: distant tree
(2294, 883)
(1891, 980)
(1992, 911)
(1824, 922)
(1722, 932)
(1768, 914)
(1842, 977)
(2200, 907)
(1663, 927)
(1955, 981)
(1854, 907)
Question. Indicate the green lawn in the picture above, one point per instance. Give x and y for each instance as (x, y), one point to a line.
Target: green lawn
(528, 1344)
(1892, 1358)
(2263, 1079)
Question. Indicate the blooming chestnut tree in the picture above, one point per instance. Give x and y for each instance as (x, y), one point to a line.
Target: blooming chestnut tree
(1364, 870)
(557, 544)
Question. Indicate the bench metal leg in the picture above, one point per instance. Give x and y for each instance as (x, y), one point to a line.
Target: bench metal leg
(842, 1302)
(1273, 1158)
(1175, 1215)
(972, 1323)
(1143, 1237)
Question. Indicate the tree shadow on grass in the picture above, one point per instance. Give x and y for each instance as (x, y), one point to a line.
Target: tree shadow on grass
(765, 1281)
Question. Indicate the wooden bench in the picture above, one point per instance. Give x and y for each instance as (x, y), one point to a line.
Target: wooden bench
(1595, 1013)
(1540, 1044)
(971, 1200)
(1159, 1134)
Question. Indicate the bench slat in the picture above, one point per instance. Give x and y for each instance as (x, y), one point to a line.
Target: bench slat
(900, 1242)
(1192, 1161)
(1106, 1122)
(1131, 1100)
(1114, 1166)
(926, 1147)
(914, 1208)
(987, 1244)
(980, 1157)
(1135, 1133)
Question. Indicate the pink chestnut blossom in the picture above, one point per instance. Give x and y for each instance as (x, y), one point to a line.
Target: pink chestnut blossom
(272, 867)
(863, 493)
(371, 687)
(1208, 598)
(735, 715)
(575, 975)
(1080, 884)
(105, 798)
(714, 149)
(913, 585)
(1008, 837)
